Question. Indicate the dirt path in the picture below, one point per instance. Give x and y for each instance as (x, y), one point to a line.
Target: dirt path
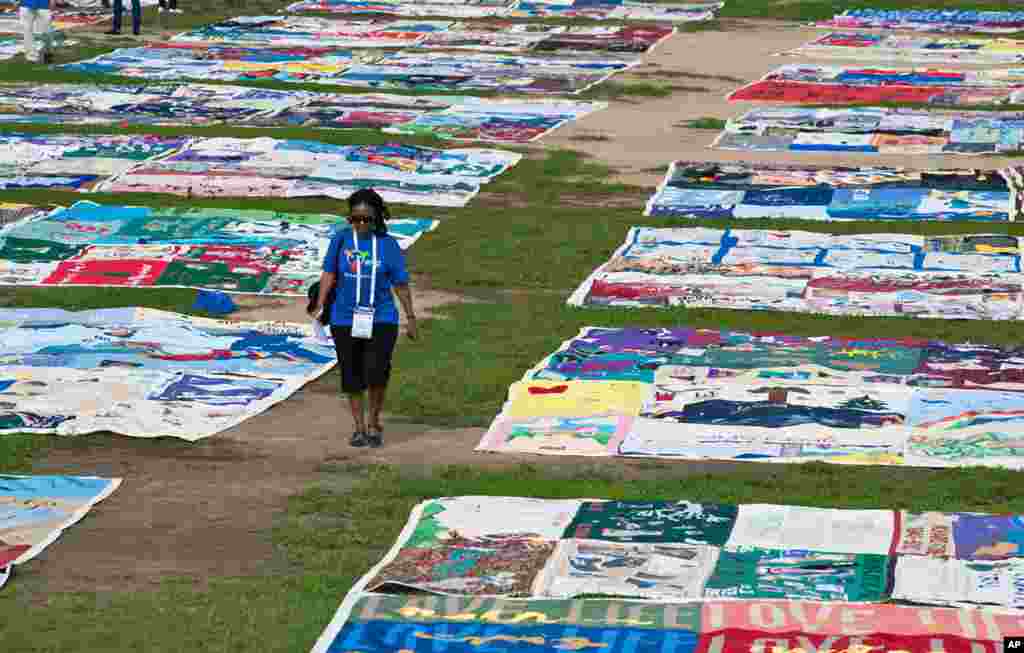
(706, 66)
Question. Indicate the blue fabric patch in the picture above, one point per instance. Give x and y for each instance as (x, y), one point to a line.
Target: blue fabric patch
(391, 636)
(214, 302)
(808, 196)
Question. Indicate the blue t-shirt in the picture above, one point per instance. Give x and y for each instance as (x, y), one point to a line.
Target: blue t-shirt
(35, 4)
(341, 260)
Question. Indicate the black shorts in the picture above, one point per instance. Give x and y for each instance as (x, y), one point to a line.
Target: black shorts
(363, 362)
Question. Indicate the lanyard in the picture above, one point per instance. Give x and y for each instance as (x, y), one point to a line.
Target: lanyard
(359, 269)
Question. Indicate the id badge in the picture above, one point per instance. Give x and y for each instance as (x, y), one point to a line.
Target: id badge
(362, 323)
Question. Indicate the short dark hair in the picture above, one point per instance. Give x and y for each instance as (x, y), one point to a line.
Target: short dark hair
(372, 199)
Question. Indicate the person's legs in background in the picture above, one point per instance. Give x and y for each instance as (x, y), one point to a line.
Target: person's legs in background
(118, 11)
(28, 19)
(136, 17)
(42, 26)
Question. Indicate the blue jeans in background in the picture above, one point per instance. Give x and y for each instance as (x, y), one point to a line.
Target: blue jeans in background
(136, 15)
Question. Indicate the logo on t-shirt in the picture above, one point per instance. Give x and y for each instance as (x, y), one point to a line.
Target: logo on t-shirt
(353, 257)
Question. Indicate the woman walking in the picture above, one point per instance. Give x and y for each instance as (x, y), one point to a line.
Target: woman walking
(363, 264)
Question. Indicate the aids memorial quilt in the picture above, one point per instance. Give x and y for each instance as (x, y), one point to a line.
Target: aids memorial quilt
(262, 167)
(915, 49)
(930, 20)
(10, 47)
(508, 36)
(172, 61)
(764, 190)
(832, 85)
(60, 21)
(480, 71)
(674, 576)
(630, 39)
(147, 373)
(497, 120)
(34, 510)
(448, 117)
(718, 394)
(952, 277)
(144, 104)
(11, 213)
(600, 10)
(449, 8)
(617, 10)
(492, 35)
(874, 130)
(310, 32)
(74, 162)
(91, 244)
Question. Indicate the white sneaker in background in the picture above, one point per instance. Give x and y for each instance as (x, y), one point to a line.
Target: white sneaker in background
(176, 11)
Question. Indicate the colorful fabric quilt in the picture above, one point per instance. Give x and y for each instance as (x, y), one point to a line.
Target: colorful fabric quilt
(630, 39)
(709, 394)
(224, 249)
(478, 71)
(916, 49)
(837, 85)
(147, 104)
(34, 510)
(667, 594)
(497, 120)
(60, 21)
(74, 162)
(11, 213)
(952, 277)
(930, 20)
(450, 8)
(874, 130)
(146, 373)
(261, 167)
(172, 61)
(589, 9)
(10, 47)
(511, 36)
(311, 32)
(448, 117)
(764, 190)
(617, 10)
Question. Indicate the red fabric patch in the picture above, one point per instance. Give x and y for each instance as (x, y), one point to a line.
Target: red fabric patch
(10, 552)
(556, 390)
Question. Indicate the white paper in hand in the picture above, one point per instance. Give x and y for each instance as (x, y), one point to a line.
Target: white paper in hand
(320, 333)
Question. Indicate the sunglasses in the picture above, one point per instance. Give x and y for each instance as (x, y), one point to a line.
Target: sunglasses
(360, 220)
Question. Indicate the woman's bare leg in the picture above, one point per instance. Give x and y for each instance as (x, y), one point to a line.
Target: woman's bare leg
(355, 405)
(376, 404)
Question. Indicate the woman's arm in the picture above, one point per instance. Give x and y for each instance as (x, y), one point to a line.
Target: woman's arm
(405, 297)
(327, 282)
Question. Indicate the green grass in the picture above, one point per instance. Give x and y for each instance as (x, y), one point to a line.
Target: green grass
(621, 90)
(17, 451)
(704, 123)
(331, 538)
(79, 299)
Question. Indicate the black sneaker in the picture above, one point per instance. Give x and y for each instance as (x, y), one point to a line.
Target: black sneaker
(358, 439)
(374, 438)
